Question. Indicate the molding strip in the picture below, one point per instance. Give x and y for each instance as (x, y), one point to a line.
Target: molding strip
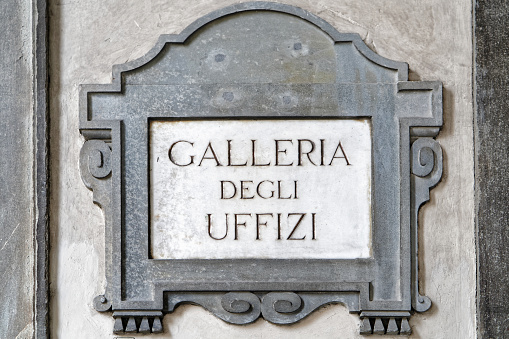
(41, 121)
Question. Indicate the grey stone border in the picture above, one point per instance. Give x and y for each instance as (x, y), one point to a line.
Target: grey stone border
(158, 285)
(41, 126)
(491, 38)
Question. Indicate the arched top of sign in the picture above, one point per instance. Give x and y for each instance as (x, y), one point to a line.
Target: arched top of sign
(327, 28)
(316, 152)
(243, 8)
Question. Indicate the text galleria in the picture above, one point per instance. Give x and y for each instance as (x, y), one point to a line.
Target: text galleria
(282, 152)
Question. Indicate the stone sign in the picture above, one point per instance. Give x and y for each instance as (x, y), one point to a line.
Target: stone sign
(261, 164)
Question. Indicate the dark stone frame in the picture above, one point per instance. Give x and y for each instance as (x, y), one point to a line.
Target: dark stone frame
(42, 180)
(491, 100)
(418, 155)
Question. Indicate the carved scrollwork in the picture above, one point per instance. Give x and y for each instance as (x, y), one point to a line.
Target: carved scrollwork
(233, 307)
(102, 304)
(96, 168)
(427, 160)
(289, 307)
(282, 307)
(422, 304)
(276, 307)
(96, 156)
(427, 167)
(244, 306)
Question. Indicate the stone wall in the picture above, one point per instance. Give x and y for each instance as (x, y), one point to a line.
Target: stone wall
(434, 37)
(17, 208)
(492, 170)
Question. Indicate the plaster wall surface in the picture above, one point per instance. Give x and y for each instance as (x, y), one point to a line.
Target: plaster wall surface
(434, 37)
(16, 171)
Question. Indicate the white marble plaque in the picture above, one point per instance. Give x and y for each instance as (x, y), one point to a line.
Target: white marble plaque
(280, 189)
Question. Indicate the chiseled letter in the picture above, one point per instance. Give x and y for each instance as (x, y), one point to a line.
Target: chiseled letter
(222, 189)
(301, 152)
(244, 188)
(253, 155)
(213, 157)
(258, 223)
(302, 215)
(281, 151)
(260, 185)
(170, 154)
(209, 217)
(230, 155)
(237, 224)
(342, 151)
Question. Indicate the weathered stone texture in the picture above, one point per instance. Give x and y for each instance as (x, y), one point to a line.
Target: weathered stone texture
(434, 37)
(492, 165)
(16, 170)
